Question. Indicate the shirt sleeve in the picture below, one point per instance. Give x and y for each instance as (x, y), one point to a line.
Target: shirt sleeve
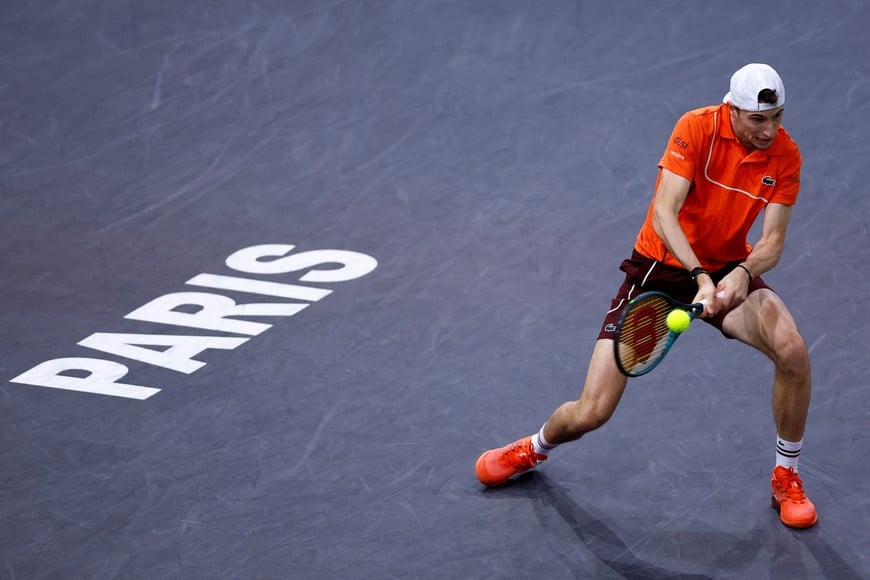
(789, 180)
(681, 155)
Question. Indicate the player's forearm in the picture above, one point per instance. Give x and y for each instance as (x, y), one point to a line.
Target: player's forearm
(767, 252)
(667, 227)
(671, 193)
(764, 256)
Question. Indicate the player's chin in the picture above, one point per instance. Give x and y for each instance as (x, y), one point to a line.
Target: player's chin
(762, 143)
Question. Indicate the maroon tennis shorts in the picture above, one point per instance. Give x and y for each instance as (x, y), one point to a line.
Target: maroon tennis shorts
(644, 274)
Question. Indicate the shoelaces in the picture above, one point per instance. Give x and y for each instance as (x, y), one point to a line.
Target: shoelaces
(790, 484)
(518, 456)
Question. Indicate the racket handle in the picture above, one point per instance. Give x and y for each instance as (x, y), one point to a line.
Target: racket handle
(720, 294)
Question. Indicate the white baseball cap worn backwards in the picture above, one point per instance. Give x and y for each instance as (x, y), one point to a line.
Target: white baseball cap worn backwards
(750, 80)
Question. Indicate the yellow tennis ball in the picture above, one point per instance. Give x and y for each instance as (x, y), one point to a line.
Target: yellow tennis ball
(678, 320)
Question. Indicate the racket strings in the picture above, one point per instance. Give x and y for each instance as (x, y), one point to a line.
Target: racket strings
(645, 336)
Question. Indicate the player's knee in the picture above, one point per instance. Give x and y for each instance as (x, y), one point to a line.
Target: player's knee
(590, 415)
(792, 355)
(598, 420)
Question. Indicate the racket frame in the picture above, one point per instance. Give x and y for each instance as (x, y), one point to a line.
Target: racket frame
(693, 310)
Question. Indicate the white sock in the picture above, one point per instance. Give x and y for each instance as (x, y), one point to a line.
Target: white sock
(788, 453)
(540, 443)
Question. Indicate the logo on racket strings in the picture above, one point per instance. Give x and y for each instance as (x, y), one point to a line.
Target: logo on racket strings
(645, 336)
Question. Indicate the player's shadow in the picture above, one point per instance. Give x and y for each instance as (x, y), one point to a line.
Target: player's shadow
(723, 555)
(790, 545)
(602, 542)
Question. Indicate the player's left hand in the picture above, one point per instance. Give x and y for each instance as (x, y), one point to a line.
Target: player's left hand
(732, 290)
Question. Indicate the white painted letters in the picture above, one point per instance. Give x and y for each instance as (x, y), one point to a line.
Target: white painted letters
(205, 311)
(353, 264)
(178, 357)
(291, 291)
(213, 312)
(101, 380)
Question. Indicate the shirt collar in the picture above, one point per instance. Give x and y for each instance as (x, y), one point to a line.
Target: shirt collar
(725, 128)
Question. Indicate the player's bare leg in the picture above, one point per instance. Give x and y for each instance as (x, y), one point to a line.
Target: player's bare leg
(598, 400)
(764, 322)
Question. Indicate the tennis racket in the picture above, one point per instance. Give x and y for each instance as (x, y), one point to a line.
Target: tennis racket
(642, 337)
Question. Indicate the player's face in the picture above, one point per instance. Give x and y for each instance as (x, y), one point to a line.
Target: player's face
(756, 129)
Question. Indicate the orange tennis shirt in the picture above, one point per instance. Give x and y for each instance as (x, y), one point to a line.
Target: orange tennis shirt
(729, 187)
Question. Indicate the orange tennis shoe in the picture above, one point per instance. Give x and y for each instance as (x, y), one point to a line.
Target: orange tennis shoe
(795, 508)
(497, 466)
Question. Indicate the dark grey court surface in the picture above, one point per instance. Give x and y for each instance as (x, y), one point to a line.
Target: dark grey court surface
(335, 250)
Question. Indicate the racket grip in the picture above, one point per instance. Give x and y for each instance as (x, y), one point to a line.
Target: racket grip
(720, 294)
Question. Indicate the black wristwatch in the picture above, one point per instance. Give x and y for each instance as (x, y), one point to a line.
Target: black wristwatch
(697, 272)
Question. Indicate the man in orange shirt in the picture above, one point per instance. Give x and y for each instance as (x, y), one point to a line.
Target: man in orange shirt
(723, 166)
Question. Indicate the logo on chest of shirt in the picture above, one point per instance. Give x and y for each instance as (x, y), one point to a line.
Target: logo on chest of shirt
(768, 180)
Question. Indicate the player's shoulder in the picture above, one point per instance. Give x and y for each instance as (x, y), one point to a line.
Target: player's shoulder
(785, 145)
(701, 117)
(704, 113)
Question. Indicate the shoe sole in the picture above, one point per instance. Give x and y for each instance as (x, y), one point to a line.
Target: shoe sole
(798, 525)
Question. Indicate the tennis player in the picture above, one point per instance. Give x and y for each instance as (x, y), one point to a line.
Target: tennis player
(723, 166)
